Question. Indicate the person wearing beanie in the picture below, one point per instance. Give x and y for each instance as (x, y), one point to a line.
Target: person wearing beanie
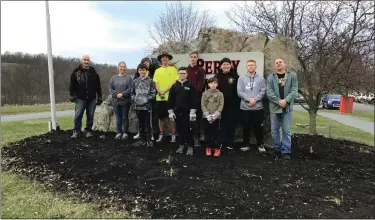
(227, 84)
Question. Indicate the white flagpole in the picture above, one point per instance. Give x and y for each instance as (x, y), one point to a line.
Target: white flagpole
(53, 125)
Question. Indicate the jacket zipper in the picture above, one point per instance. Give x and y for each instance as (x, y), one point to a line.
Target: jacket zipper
(87, 90)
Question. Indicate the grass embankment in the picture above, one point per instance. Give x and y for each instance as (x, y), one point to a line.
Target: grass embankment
(338, 130)
(23, 198)
(23, 109)
(368, 116)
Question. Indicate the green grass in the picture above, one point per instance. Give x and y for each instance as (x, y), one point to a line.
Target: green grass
(22, 109)
(339, 130)
(25, 198)
(369, 116)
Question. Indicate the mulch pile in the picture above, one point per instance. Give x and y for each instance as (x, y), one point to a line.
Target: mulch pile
(326, 178)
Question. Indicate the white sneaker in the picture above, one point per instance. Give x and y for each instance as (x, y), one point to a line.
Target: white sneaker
(152, 138)
(160, 138)
(247, 148)
(173, 138)
(137, 136)
(261, 149)
(124, 136)
(118, 136)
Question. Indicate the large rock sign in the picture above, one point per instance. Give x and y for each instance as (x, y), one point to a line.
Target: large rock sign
(217, 40)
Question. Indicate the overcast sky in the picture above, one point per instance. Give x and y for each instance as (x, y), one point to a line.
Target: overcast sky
(107, 31)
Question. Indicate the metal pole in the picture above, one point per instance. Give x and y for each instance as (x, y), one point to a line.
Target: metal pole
(53, 122)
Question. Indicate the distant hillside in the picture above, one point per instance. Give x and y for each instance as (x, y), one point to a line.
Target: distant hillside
(24, 77)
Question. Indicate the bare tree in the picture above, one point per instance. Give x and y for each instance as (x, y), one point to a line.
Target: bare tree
(180, 22)
(330, 35)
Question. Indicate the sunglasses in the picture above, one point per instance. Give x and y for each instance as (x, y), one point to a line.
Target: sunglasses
(183, 73)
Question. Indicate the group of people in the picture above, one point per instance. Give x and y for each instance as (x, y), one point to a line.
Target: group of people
(184, 97)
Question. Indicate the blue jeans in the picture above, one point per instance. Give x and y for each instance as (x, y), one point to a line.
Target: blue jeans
(283, 120)
(122, 117)
(80, 107)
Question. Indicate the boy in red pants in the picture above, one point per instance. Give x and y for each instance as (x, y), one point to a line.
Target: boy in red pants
(212, 104)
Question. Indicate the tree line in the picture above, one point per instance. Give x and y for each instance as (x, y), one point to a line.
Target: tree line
(24, 78)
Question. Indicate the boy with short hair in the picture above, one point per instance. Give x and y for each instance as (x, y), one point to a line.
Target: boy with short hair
(212, 104)
(197, 76)
(181, 107)
(251, 88)
(142, 94)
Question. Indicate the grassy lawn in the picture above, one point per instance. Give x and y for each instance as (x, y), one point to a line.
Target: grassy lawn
(24, 198)
(369, 116)
(339, 130)
(21, 109)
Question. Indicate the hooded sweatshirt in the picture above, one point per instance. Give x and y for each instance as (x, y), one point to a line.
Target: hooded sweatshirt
(182, 97)
(227, 84)
(251, 87)
(197, 76)
(142, 93)
(85, 83)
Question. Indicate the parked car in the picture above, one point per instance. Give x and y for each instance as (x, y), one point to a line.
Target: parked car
(331, 101)
(299, 99)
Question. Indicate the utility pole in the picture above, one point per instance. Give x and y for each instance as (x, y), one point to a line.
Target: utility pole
(53, 124)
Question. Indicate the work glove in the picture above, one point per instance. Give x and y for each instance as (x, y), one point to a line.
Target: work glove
(205, 114)
(193, 115)
(210, 119)
(73, 99)
(171, 116)
(216, 115)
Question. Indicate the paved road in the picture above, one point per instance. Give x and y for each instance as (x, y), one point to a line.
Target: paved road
(363, 125)
(28, 116)
(358, 107)
(366, 126)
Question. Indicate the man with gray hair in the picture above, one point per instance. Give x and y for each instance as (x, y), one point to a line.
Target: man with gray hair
(282, 89)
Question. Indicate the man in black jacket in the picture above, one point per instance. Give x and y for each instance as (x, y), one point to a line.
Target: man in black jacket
(227, 84)
(86, 93)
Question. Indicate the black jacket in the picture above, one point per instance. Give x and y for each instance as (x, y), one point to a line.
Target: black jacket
(85, 83)
(227, 84)
(182, 97)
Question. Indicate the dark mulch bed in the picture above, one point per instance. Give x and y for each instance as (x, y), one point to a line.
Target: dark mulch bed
(336, 180)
